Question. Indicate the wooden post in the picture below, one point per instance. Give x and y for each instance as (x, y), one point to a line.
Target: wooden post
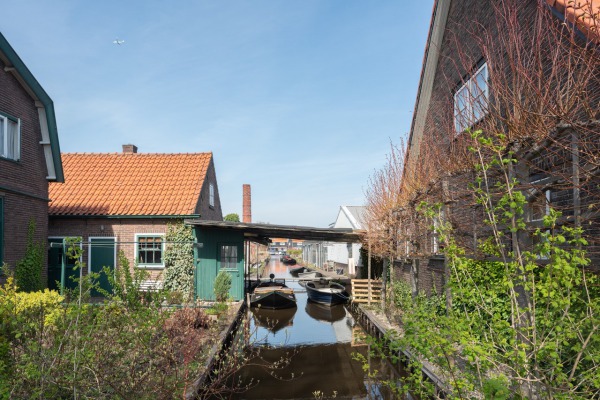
(576, 190)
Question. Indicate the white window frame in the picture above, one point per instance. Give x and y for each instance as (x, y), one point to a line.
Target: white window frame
(4, 121)
(470, 87)
(136, 251)
(211, 195)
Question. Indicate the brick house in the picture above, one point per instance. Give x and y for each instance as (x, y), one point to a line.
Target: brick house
(124, 201)
(29, 155)
(467, 59)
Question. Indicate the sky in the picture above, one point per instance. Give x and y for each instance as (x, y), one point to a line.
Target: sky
(300, 99)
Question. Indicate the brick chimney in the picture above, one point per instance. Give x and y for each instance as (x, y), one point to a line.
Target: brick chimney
(247, 214)
(129, 148)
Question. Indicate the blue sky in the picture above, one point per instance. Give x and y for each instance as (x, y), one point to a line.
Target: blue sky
(300, 99)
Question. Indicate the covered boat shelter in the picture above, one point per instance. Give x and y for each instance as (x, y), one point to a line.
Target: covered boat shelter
(220, 246)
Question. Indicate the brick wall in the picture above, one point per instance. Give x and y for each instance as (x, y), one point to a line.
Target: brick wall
(28, 175)
(124, 230)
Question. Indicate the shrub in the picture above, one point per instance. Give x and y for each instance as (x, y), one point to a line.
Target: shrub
(222, 286)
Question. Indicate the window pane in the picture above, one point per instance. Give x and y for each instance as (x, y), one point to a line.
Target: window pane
(228, 257)
(12, 150)
(150, 250)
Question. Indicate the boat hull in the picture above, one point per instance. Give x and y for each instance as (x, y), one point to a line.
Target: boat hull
(328, 294)
(309, 275)
(273, 299)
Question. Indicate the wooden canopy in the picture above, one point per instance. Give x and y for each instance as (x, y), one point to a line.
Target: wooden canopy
(261, 233)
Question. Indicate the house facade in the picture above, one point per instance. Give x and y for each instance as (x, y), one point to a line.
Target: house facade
(124, 202)
(502, 67)
(29, 156)
(347, 255)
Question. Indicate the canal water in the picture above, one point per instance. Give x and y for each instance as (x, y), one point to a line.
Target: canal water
(315, 345)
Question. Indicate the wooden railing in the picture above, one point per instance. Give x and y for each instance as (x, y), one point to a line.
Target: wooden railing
(361, 292)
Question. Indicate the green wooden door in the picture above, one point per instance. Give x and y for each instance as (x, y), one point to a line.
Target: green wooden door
(218, 250)
(102, 254)
(57, 260)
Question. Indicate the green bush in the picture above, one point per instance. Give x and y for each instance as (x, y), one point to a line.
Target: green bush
(222, 286)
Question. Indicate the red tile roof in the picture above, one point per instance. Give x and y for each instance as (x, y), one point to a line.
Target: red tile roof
(129, 184)
(585, 14)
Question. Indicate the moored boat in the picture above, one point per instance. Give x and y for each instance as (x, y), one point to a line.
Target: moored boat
(288, 260)
(297, 270)
(273, 294)
(325, 292)
(309, 275)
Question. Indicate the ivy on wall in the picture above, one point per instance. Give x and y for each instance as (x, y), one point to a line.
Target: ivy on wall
(179, 260)
(28, 270)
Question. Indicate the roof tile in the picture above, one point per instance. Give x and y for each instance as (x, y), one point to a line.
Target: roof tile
(129, 184)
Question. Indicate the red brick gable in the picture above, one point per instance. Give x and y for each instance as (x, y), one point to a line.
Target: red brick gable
(129, 184)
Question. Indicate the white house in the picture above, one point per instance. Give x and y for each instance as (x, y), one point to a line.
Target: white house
(347, 255)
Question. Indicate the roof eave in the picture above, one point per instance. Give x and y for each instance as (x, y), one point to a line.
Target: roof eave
(437, 28)
(45, 107)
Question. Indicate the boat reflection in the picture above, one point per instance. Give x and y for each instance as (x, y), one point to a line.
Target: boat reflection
(322, 313)
(274, 320)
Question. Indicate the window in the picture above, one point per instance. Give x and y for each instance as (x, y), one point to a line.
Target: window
(540, 206)
(229, 257)
(471, 100)
(149, 251)
(211, 195)
(10, 137)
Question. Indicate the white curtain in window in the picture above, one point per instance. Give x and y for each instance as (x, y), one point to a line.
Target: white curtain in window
(12, 150)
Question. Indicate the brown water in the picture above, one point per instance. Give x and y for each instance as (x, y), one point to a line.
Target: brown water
(317, 344)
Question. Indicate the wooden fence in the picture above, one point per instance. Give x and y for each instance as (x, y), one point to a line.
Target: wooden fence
(360, 291)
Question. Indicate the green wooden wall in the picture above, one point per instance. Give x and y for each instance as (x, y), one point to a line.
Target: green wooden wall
(207, 261)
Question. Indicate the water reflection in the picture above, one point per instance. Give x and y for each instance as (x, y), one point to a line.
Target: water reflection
(273, 320)
(318, 341)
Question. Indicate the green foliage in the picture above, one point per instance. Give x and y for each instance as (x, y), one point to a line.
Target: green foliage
(232, 217)
(126, 285)
(28, 270)
(62, 347)
(523, 320)
(222, 286)
(179, 260)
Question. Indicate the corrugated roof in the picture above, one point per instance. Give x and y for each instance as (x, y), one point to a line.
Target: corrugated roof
(129, 184)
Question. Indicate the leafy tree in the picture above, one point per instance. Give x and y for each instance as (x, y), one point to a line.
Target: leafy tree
(232, 217)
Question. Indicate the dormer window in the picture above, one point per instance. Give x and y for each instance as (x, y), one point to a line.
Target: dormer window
(211, 195)
(471, 100)
(10, 137)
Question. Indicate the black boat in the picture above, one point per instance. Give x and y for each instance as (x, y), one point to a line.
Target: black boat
(288, 260)
(274, 320)
(324, 292)
(273, 294)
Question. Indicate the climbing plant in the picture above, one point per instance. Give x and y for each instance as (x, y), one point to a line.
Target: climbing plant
(28, 270)
(179, 260)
